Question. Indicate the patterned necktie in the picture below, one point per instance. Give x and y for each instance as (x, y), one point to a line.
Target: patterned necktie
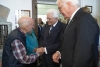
(68, 21)
(67, 24)
(51, 28)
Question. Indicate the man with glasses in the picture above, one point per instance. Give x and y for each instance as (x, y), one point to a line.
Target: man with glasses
(51, 38)
(79, 47)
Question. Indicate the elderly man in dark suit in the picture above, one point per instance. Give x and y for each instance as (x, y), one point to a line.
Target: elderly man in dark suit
(51, 38)
(79, 46)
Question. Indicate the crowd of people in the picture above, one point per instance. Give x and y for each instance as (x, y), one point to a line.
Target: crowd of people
(74, 44)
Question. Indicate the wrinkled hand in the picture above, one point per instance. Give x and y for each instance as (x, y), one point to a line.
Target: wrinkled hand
(56, 56)
(40, 50)
(35, 49)
(40, 53)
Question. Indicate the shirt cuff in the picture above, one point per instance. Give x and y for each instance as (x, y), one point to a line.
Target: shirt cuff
(59, 53)
(45, 50)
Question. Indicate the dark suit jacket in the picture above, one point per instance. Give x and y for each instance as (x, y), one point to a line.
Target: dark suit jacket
(80, 41)
(52, 42)
(40, 28)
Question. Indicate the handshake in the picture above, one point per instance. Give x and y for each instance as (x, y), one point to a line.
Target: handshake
(39, 51)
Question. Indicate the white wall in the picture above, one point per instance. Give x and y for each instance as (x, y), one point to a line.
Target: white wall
(90, 3)
(98, 11)
(27, 5)
(95, 8)
(16, 5)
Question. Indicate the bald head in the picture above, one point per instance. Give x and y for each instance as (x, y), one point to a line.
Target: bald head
(26, 24)
(24, 21)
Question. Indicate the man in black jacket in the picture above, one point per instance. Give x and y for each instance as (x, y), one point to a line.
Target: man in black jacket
(79, 46)
(51, 38)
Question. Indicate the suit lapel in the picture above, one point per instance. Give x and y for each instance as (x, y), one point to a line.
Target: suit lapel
(55, 28)
(47, 27)
(73, 19)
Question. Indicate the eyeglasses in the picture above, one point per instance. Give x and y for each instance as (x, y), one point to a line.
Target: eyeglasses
(49, 19)
(60, 7)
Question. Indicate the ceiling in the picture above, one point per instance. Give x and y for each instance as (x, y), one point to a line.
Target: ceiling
(47, 1)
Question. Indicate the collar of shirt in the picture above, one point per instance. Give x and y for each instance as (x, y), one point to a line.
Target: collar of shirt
(74, 14)
(21, 31)
(55, 24)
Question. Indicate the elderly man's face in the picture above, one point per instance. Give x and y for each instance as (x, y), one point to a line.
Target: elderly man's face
(64, 9)
(39, 20)
(50, 19)
(30, 26)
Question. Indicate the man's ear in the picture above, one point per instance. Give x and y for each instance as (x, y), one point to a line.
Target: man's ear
(69, 5)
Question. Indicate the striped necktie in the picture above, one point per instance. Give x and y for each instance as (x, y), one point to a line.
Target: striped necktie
(51, 28)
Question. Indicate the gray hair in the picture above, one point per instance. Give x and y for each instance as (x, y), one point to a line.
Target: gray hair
(54, 12)
(74, 2)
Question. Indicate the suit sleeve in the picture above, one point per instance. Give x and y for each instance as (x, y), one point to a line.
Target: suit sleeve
(85, 35)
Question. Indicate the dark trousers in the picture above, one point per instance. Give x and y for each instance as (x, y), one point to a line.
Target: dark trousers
(34, 64)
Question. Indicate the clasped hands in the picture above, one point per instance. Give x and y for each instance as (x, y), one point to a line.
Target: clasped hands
(40, 50)
(56, 56)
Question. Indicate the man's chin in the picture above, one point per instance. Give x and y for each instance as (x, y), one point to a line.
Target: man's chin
(49, 23)
(30, 32)
(66, 18)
